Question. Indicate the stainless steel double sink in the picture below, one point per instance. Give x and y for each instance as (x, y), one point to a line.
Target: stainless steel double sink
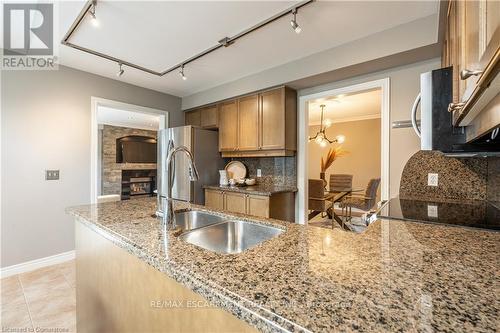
(220, 234)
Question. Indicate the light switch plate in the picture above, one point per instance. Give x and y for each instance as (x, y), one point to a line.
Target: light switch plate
(259, 173)
(432, 211)
(432, 179)
(51, 174)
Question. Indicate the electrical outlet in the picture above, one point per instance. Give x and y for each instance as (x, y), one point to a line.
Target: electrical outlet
(432, 179)
(51, 174)
(259, 173)
(432, 211)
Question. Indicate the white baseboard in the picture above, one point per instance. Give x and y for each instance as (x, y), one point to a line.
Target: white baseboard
(37, 263)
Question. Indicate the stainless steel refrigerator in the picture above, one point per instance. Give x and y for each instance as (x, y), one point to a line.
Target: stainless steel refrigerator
(204, 145)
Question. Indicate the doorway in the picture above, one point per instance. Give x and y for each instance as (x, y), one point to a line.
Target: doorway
(112, 120)
(307, 105)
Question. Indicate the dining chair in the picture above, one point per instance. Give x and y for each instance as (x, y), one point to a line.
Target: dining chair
(317, 199)
(363, 202)
(340, 182)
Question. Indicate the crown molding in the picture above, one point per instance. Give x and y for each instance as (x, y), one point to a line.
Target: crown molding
(345, 120)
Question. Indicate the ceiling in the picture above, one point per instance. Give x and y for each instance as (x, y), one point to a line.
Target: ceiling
(342, 108)
(161, 34)
(122, 118)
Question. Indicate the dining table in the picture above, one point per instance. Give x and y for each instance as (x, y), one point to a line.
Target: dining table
(335, 197)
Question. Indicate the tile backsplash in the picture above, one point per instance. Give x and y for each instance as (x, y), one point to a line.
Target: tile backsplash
(275, 170)
(474, 178)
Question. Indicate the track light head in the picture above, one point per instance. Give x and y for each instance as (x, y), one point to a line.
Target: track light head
(295, 26)
(94, 20)
(120, 71)
(181, 73)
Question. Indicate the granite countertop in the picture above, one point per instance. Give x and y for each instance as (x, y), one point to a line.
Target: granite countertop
(396, 276)
(260, 189)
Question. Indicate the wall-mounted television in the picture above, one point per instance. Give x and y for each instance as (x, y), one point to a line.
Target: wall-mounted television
(136, 149)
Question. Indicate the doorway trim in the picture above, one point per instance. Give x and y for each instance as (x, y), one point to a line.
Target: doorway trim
(95, 102)
(303, 132)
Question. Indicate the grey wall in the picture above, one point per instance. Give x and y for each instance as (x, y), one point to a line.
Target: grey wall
(393, 45)
(45, 123)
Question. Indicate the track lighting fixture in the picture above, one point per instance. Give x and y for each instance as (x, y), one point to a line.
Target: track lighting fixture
(94, 20)
(121, 70)
(181, 73)
(295, 26)
(89, 13)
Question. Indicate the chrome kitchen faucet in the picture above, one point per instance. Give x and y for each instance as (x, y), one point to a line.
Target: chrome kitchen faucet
(168, 209)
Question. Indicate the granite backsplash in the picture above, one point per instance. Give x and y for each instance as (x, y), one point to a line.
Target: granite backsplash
(280, 171)
(475, 178)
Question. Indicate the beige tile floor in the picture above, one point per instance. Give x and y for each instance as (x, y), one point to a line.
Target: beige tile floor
(41, 300)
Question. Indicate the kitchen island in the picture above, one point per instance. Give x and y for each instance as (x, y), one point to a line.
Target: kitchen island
(396, 276)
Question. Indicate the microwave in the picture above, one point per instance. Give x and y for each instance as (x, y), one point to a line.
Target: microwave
(436, 130)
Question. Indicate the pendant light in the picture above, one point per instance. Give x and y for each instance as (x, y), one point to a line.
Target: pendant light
(321, 138)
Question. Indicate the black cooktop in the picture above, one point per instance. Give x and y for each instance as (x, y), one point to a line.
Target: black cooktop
(474, 213)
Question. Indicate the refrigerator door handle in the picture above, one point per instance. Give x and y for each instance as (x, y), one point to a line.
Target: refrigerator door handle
(414, 115)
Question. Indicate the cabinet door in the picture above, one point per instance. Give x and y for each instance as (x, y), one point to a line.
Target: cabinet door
(248, 123)
(228, 126)
(469, 47)
(452, 43)
(272, 119)
(209, 117)
(258, 205)
(235, 202)
(193, 118)
(490, 28)
(214, 199)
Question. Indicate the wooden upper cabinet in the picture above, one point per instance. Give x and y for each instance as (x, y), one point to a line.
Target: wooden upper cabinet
(471, 46)
(272, 119)
(193, 118)
(228, 126)
(209, 117)
(258, 125)
(248, 123)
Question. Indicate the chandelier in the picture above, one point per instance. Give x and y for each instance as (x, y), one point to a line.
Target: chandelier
(321, 138)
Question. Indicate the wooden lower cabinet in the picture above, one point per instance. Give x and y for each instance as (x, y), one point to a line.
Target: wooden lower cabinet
(214, 199)
(279, 206)
(235, 202)
(118, 292)
(258, 205)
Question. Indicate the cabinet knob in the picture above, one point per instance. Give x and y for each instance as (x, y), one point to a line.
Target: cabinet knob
(455, 106)
(467, 73)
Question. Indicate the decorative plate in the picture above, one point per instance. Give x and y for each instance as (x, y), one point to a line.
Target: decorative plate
(236, 170)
